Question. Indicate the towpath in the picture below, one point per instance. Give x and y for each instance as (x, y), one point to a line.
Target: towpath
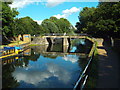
(108, 66)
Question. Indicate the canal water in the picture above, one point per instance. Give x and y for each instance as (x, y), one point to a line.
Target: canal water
(48, 66)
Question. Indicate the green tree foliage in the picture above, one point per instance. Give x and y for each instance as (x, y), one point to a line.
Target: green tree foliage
(64, 26)
(27, 26)
(8, 15)
(54, 25)
(101, 21)
(49, 26)
(53, 19)
(85, 18)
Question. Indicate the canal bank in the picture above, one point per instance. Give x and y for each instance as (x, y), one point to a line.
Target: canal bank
(108, 66)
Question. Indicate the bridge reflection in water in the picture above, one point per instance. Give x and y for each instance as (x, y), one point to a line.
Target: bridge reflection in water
(47, 66)
(46, 49)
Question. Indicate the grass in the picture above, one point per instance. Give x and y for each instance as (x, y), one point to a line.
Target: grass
(36, 44)
(33, 45)
(93, 73)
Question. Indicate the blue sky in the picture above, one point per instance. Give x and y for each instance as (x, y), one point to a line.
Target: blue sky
(39, 11)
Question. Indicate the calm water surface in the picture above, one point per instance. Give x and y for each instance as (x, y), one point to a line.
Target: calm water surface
(50, 66)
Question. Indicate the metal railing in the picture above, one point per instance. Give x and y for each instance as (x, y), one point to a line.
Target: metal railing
(83, 78)
(62, 34)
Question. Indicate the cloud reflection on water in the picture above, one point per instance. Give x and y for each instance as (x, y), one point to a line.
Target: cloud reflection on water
(71, 58)
(36, 76)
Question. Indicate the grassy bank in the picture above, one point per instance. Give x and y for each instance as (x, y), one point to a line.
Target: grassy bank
(93, 72)
(36, 44)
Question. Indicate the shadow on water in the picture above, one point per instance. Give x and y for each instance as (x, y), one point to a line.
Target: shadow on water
(8, 80)
(100, 47)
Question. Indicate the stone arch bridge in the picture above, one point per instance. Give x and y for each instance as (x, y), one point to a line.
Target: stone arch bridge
(66, 39)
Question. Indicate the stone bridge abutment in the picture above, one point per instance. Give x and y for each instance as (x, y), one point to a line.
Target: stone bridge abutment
(66, 39)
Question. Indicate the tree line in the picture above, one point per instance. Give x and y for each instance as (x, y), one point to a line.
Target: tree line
(12, 26)
(102, 21)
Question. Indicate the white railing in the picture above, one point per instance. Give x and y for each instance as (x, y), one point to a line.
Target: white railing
(84, 73)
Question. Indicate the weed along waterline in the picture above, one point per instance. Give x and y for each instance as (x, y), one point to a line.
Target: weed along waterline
(53, 65)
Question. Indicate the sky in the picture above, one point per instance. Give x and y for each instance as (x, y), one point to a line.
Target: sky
(39, 10)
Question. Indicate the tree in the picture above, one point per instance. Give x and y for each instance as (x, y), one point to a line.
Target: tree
(64, 26)
(27, 25)
(86, 18)
(53, 19)
(54, 25)
(8, 15)
(103, 20)
(49, 26)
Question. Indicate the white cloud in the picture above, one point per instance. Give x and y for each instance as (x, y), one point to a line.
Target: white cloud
(52, 3)
(49, 3)
(71, 58)
(72, 10)
(60, 16)
(21, 17)
(66, 13)
(38, 21)
(20, 3)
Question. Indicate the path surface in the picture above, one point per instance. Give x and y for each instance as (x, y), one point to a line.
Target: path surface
(108, 66)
